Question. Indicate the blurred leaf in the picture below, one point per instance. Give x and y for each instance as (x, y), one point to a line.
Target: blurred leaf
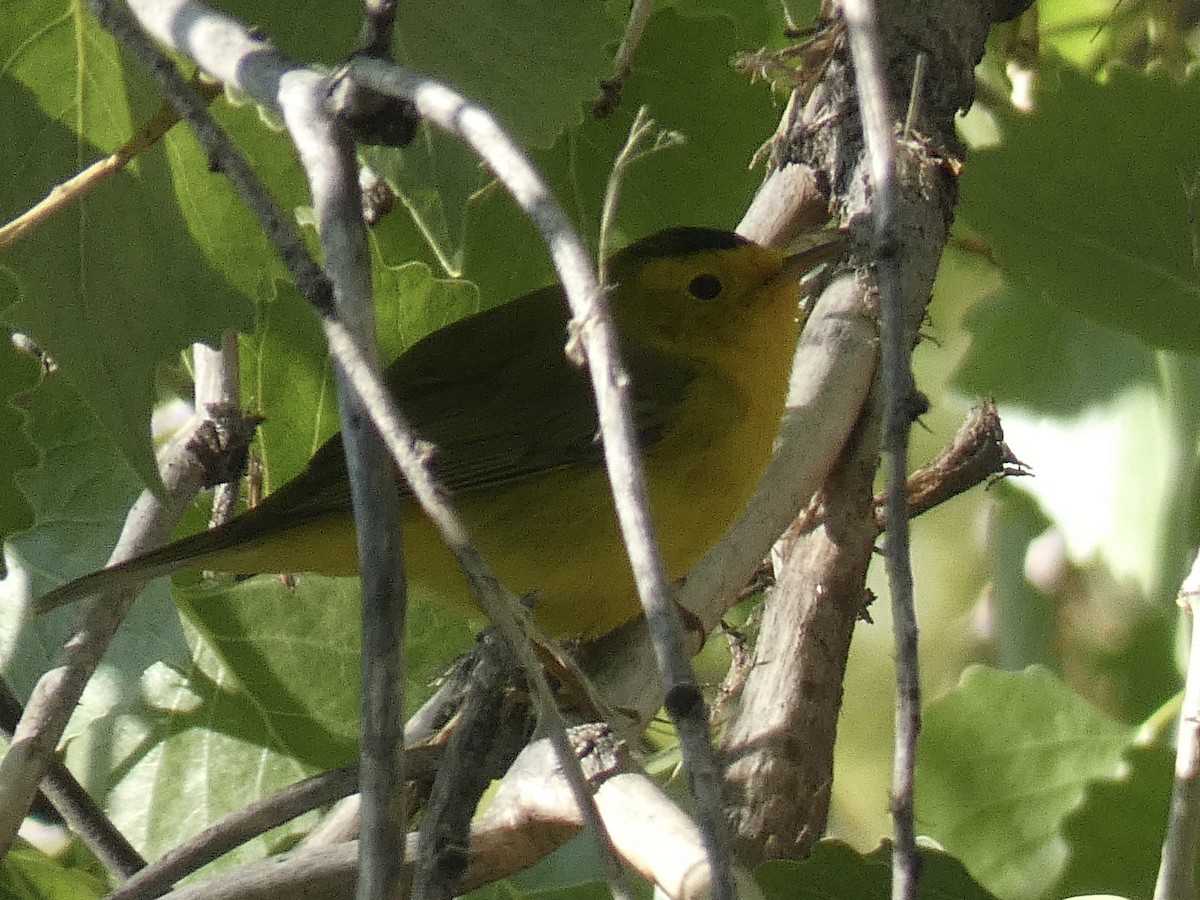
(1067, 362)
(116, 270)
(1082, 30)
(27, 873)
(1023, 619)
(1003, 759)
(835, 871)
(1090, 201)
(1110, 477)
(1115, 837)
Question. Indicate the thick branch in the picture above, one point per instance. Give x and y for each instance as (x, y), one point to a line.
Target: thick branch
(779, 746)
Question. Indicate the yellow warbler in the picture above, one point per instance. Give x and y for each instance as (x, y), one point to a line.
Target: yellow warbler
(707, 321)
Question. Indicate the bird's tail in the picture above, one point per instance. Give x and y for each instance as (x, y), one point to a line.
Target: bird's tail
(192, 552)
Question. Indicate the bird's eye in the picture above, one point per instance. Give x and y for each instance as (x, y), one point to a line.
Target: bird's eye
(705, 287)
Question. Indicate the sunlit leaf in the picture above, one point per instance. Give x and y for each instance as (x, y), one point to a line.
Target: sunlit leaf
(1003, 759)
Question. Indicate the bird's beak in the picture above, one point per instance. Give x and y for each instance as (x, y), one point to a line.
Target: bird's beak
(820, 247)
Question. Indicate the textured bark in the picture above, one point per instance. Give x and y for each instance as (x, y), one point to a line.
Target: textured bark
(781, 739)
(780, 746)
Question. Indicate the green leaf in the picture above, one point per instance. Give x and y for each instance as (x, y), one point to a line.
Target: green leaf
(199, 747)
(27, 873)
(112, 284)
(1115, 837)
(1091, 201)
(295, 652)
(835, 871)
(18, 375)
(1067, 362)
(218, 220)
(434, 177)
(79, 492)
(1003, 759)
(534, 64)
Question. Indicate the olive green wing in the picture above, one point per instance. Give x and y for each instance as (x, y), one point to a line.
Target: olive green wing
(495, 397)
(498, 401)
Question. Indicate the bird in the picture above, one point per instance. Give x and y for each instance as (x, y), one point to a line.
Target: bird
(707, 325)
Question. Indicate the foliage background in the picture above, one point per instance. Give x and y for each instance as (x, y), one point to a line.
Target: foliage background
(1069, 294)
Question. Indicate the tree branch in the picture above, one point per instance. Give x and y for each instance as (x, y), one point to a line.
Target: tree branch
(57, 693)
(1177, 869)
(75, 805)
(533, 812)
(592, 329)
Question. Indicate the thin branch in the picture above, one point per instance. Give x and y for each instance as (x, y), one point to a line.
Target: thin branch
(1177, 869)
(72, 801)
(327, 156)
(98, 172)
(218, 387)
(273, 78)
(57, 693)
(378, 25)
(633, 150)
(594, 330)
(492, 722)
(635, 27)
(899, 393)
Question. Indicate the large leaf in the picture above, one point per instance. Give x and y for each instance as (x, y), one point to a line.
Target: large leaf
(1090, 201)
(112, 284)
(18, 374)
(79, 494)
(295, 651)
(200, 747)
(835, 871)
(1003, 759)
(534, 64)
(1115, 838)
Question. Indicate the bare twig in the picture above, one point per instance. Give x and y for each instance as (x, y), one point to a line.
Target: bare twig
(593, 329)
(635, 148)
(327, 155)
(491, 724)
(219, 384)
(378, 25)
(98, 172)
(899, 393)
(76, 806)
(57, 693)
(635, 27)
(1177, 870)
